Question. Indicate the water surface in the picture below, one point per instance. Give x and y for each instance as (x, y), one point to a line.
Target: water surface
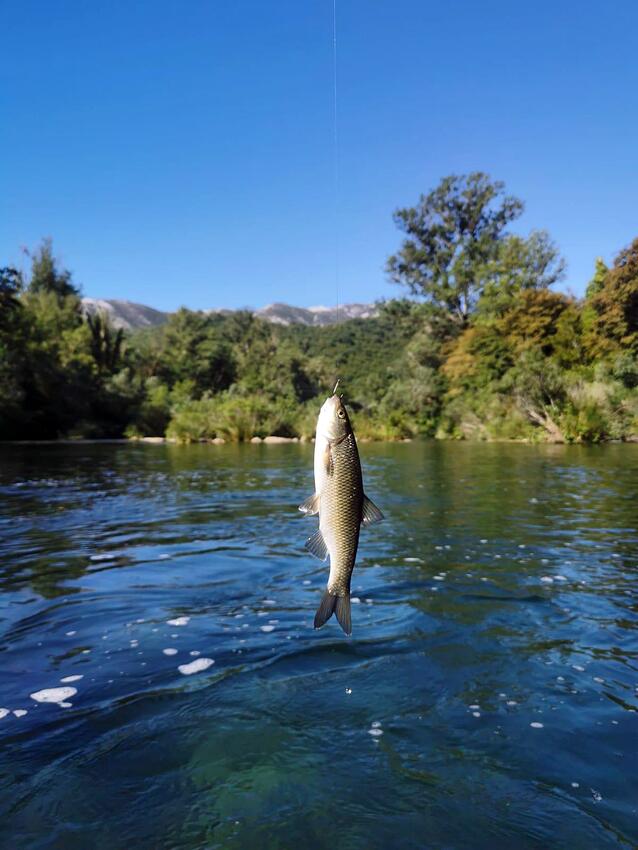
(487, 697)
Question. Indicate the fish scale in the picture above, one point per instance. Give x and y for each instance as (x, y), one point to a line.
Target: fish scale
(340, 519)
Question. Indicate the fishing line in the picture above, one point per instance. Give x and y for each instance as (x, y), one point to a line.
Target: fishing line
(335, 153)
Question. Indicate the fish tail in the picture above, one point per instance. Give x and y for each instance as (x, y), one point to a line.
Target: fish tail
(338, 605)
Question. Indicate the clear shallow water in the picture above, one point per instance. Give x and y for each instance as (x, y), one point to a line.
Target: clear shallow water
(500, 592)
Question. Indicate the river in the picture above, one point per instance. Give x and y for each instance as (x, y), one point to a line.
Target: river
(486, 699)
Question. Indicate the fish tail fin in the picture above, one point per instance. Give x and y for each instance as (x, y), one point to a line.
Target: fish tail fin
(337, 605)
(342, 610)
(326, 609)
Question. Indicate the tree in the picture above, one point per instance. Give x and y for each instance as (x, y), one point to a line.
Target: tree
(106, 342)
(453, 234)
(45, 275)
(615, 305)
(520, 264)
(598, 280)
(10, 288)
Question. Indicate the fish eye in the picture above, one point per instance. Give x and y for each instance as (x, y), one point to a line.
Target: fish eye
(341, 413)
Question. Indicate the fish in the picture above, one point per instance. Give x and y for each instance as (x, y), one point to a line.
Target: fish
(342, 506)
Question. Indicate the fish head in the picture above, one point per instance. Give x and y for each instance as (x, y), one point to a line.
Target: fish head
(334, 423)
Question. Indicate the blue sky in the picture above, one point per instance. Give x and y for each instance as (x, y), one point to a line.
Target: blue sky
(182, 153)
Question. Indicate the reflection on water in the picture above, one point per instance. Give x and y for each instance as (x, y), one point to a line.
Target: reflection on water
(487, 698)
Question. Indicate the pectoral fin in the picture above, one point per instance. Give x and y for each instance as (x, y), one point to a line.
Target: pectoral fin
(371, 512)
(327, 460)
(311, 506)
(316, 545)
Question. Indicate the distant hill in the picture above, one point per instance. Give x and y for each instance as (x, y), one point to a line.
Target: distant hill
(284, 314)
(127, 315)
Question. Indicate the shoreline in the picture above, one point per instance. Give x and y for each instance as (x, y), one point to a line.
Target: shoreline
(274, 440)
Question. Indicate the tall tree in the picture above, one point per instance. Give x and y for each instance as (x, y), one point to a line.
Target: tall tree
(615, 304)
(453, 234)
(520, 264)
(46, 276)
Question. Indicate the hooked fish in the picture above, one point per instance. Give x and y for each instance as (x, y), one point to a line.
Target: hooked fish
(342, 506)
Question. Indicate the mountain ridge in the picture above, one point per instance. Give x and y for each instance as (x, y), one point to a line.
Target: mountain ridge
(129, 315)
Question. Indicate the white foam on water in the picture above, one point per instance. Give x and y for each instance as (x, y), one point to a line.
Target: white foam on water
(164, 557)
(179, 621)
(599, 679)
(196, 666)
(70, 634)
(438, 578)
(4, 712)
(375, 731)
(578, 668)
(511, 702)
(269, 602)
(376, 724)
(20, 712)
(596, 795)
(413, 560)
(355, 600)
(476, 714)
(474, 707)
(575, 784)
(169, 651)
(521, 545)
(65, 704)
(274, 622)
(536, 725)
(348, 690)
(267, 628)
(195, 652)
(58, 695)
(86, 651)
(560, 577)
(68, 679)
(106, 556)
(560, 678)
(547, 579)
(306, 581)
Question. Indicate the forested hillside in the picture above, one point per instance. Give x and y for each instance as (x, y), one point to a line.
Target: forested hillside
(483, 349)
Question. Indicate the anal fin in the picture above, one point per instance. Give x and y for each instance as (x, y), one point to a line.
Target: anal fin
(316, 545)
(370, 513)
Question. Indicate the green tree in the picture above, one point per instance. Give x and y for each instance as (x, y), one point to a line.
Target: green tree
(615, 306)
(46, 276)
(520, 263)
(452, 235)
(106, 342)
